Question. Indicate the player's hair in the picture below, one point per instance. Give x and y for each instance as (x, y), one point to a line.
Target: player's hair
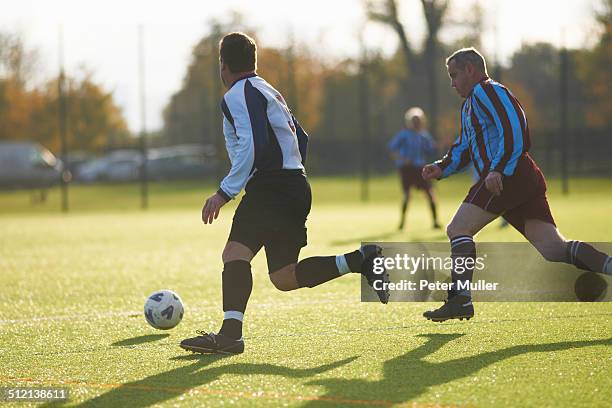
(471, 55)
(415, 111)
(239, 52)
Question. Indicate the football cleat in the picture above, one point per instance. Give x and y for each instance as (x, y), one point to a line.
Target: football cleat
(213, 344)
(371, 252)
(457, 307)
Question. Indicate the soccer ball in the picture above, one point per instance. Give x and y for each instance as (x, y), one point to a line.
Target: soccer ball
(163, 309)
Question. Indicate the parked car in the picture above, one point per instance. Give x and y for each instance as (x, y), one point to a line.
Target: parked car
(181, 162)
(74, 160)
(28, 164)
(189, 161)
(120, 165)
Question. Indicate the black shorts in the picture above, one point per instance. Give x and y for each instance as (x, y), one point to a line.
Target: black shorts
(411, 176)
(272, 214)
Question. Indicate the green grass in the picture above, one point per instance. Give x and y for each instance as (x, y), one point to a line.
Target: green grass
(73, 287)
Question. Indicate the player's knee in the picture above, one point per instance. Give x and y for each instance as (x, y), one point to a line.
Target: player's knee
(454, 229)
(284, 279)
(228, 255)
(235, 251)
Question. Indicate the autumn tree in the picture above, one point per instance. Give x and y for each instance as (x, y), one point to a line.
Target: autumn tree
(29, 111)
(594, 70)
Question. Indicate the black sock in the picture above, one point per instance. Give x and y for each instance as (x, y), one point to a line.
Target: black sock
(403, 212)
(585, 257)
(231, 328)
(313, 271)
(237, 285)
(463, 253)
(354, 260)
(434, 212)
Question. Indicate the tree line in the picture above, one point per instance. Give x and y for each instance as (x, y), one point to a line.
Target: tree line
(341, 103)
(29, 109)
(328, 97)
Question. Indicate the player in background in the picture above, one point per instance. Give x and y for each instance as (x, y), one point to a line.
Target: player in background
(410, 149)
(267, 149)
(495, 138)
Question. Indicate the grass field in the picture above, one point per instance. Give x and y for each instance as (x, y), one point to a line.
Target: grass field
(74, 285)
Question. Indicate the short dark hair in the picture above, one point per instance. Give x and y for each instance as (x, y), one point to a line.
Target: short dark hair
(471, 55)
(239, 52)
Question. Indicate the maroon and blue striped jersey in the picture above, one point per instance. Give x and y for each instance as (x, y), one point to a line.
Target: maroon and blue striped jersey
(494, 132)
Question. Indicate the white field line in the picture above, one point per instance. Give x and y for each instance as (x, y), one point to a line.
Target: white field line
(138, 313)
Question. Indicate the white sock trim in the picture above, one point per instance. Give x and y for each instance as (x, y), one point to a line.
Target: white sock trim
(575, 251)
(608, 266)
(233, 314)
(342, 265)
(460, 240)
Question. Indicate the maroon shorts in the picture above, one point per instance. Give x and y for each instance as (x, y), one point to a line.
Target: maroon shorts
(523, 196)
(412, 176)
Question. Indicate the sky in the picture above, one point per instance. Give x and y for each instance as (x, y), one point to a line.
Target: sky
(102, 36)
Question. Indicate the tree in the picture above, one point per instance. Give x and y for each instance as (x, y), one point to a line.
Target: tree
(386, 12)
(94, 122)
(30, 113)
(193, 113)
(435, 11)
(594, 71)
(17, 63)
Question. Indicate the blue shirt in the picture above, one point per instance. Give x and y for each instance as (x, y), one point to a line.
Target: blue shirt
(412, 146)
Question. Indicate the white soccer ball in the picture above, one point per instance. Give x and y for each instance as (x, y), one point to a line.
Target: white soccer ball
(163, 309)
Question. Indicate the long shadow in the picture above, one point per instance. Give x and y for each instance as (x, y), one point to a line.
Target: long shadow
(173, 383)
(370, 238)
(140, 340)
(430, 238)
(409, 375)
(397, 235)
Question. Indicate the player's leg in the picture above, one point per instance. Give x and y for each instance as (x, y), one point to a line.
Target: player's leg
(237, 283)
(404, 208)
(288, 235)
(467, 222)
(287, 274)
(405, 182)
(432, 205)
(535, 221)
(547, 239)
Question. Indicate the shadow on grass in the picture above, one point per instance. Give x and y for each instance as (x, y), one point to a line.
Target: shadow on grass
(173, 383)
(370, 238)
(408, 376)
(436, 236)
(140, 340)
(398, 236)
